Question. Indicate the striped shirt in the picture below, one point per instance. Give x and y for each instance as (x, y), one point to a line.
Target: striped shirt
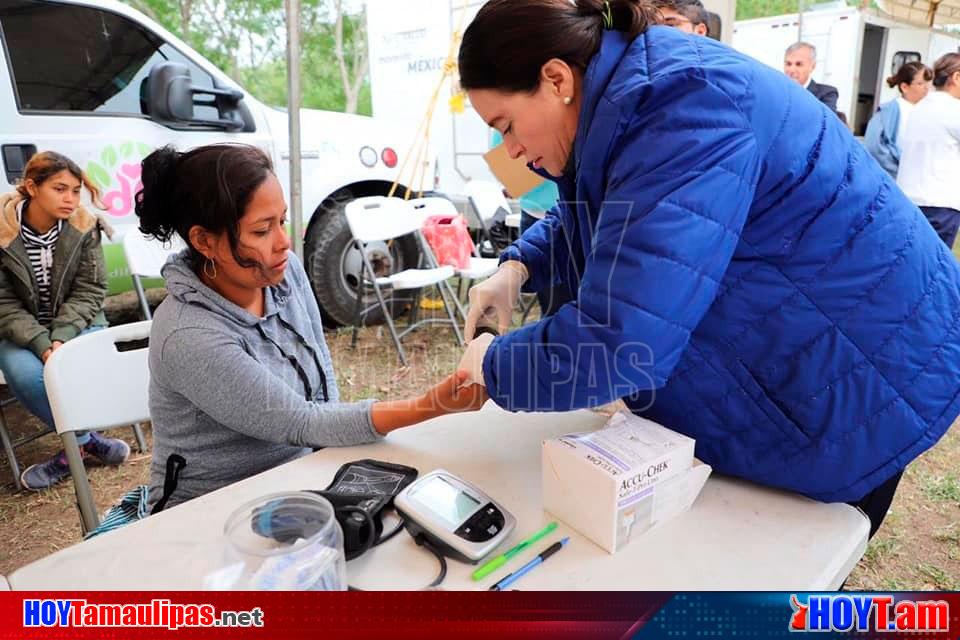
(40, 248)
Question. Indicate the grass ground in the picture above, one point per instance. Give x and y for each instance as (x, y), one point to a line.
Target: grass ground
(918, 546)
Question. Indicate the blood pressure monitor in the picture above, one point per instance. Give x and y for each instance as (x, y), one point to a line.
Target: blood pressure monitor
(455, 517)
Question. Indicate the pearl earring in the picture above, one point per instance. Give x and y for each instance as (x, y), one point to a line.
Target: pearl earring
(567, 100)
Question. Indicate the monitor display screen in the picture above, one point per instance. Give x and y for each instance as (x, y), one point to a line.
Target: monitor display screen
(446, 501)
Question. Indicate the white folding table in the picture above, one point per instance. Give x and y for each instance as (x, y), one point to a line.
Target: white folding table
(737, 535)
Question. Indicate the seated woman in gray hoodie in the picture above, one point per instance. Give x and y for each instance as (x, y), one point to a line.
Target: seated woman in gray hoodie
(241, 378)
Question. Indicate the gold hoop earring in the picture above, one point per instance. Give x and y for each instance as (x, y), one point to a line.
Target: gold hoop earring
(206, 269)
(567, 100)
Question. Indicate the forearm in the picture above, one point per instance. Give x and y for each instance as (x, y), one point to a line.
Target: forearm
(396, 414)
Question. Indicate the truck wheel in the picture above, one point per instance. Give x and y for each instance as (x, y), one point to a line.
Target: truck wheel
(334, 265)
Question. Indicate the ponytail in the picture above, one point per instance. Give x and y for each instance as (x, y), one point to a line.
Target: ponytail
(153, 203)
(908, 72)
(629, 16)
(944, 68)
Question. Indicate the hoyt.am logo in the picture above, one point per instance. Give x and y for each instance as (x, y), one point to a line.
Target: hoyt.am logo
(868, 612)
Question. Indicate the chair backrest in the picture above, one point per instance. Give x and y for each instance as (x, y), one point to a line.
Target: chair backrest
(433, 206)
(93, 384)
(487, 198)
(377, 218)
(146, 257)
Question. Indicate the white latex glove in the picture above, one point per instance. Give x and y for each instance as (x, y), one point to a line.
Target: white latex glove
(472, 360)
(494, 299)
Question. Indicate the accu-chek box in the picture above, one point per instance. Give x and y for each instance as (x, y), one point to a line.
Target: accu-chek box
(616, 483)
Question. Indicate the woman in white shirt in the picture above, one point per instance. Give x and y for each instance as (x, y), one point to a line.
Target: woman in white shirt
(930, 151)
(913, 80)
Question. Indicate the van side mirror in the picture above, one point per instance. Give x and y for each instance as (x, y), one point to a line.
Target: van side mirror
(171, 96)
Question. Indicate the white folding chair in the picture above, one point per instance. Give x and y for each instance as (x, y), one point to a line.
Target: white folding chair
(97, 381)
(376, 219)
(487, 200)
(145, 258)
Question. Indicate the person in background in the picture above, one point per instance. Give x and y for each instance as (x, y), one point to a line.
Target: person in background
(930, 151)
(799, 61)
(913, 81)
(687, 15)
(52, 287)
(241, 379)
(714, 26)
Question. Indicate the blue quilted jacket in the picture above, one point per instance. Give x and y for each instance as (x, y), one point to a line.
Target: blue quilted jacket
(745, 274)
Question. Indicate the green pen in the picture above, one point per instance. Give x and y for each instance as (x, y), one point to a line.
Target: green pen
(501, 560)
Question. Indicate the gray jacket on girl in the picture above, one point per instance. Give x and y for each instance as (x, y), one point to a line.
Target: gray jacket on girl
(235, 394)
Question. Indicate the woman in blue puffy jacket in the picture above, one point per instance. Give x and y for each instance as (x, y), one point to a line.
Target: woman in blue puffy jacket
(744, 272)
(883, 130)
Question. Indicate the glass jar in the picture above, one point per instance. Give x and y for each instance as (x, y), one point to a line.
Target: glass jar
(284, 542)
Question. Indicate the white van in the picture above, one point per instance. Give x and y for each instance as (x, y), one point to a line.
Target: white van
(103, 84)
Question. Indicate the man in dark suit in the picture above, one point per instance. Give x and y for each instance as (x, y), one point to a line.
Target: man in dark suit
(799, 62)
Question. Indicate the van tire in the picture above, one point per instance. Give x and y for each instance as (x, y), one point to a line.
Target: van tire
(325, 248)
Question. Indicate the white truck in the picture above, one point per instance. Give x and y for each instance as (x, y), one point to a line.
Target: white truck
(105, 85)
(408, 43)
(857, 48)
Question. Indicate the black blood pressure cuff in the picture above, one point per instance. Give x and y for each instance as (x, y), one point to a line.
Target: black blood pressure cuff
(359, 493)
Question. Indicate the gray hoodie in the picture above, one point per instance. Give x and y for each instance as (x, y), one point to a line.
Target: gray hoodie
(235, 394)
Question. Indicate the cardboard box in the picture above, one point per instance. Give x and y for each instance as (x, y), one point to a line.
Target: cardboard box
(614, 484)
(513, 174)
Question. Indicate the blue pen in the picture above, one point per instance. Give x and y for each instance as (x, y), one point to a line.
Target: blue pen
(509, 579)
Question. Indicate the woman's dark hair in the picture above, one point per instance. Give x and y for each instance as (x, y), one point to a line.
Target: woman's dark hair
(209, 186)
(944, 67)
(44, 165)
(509, 41)
(907, 73)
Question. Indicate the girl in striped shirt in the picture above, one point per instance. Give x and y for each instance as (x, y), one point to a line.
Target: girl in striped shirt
(52, 287)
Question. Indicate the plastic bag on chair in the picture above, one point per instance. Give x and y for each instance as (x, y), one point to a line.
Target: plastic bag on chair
(449, 239)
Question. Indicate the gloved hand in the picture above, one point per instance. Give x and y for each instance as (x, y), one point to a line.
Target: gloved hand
(472, 360)
(494, 299)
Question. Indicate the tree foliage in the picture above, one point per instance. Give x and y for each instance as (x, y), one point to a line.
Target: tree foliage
(247, 40)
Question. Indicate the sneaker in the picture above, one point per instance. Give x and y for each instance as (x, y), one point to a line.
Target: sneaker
(106, 450)
(46, 474)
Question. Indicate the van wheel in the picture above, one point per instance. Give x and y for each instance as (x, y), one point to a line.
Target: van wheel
(334, 265)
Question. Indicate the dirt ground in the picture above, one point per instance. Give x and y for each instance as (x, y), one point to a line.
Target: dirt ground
(918, 546)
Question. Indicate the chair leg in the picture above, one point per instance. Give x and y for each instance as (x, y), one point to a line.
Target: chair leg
(386, 312)
(357, 310)
(450, 312)
(88, 510)
(391, 326)
(8, 449)
(415, 309)
(138, 435)
(526, 310)
(456, 300)
(142, 297)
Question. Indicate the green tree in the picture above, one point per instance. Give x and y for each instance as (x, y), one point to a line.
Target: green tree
(246, 39)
